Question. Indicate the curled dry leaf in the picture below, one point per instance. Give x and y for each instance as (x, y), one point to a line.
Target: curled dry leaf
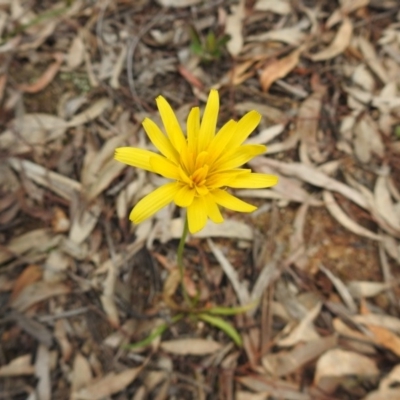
(339, 43)
(279, 69)
(32, 273)
(46, 78)
(385, 338)
(337, 363)
(346, 7)
(196, 347)
(344, 220)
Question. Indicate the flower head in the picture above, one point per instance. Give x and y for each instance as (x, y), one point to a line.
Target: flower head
(201, 165)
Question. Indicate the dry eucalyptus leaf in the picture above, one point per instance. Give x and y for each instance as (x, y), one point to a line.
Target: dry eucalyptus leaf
(178, 3)
(233, 28)
(339, 43)
(195, 347)
(365, 289)
(21, 365)
(281, 7)
(279, 69)
(109, 384)
(91, 113)
(81, 373)
(338, 363)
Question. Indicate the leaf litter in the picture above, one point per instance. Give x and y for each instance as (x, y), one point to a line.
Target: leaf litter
(315, 267)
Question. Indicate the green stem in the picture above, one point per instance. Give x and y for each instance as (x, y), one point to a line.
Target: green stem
(181, 247)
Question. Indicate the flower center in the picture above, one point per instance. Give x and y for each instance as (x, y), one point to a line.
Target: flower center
(197, 178)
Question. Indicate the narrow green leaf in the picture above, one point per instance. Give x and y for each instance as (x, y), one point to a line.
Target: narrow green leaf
(232, 310)
(223, 325)
(157, 332)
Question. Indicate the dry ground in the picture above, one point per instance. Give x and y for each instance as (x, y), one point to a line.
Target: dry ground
(79, 283)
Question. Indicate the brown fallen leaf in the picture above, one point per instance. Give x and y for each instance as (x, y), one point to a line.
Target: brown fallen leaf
(279, 69)
(385, 338)
(339, 43)
(32, 273)
(196, 347)
(46, 78)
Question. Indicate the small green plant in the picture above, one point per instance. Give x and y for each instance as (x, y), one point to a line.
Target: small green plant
(208, 48)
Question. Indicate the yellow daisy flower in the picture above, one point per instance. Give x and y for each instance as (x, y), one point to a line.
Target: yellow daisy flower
(201, 164)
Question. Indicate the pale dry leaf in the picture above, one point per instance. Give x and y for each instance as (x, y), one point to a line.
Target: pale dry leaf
(60, 184)
(304, 331)
(32, 132)
(279, 69)
(233, 28)
(178, 3)
(365, 289)
(310, 175)
(385, 321)
(240, 288)
(344, 220)
(229, 229)
(384, 203)
(42, 373)
(266, 135)
(108, 296)
(108, 385)
(38, 239)
(339, 43)
(362, 77)
(118, 68)
(339, 363)
(84, 221)
(341, 288)
(76, 53)
(270, 113)
(195, 347)
(346, 7)
(244, 395)
(21, 365)
(307, 124)
(91, 113)
(37, 292)
(371, 59)
(81, 373)
(293, 35)
(367, 139)
(281, 7)
(60, 334)
(287, 362)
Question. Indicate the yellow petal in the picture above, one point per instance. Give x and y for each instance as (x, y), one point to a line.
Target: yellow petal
(218, 144)
(134, 157)
(224, 178)
(244, 128)
(213, 211)
(159, 140)
(171, 124)
(164, 167)
(197, 215)
(184, 197)
(193, 128)
(253, 181)
(153, 202)
(209, 120)
(226, 200)
(239, 157)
